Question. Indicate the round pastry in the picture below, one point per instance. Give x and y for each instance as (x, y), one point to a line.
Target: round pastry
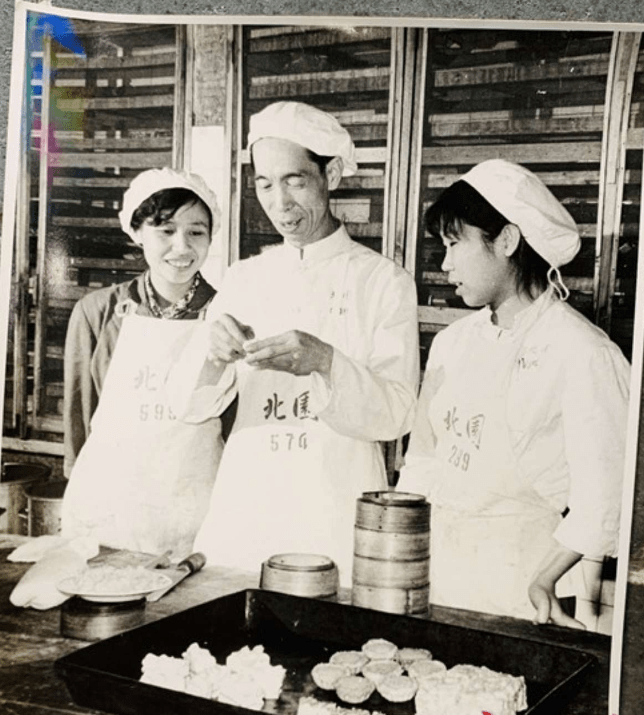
(420, 670)
(379, 649)
(354, 689)
(326, 675)
(352, 660)
(407, 656)
(376, 670)
(397, 688)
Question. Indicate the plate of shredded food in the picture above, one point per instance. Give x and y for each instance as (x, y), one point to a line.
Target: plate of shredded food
(109, 584)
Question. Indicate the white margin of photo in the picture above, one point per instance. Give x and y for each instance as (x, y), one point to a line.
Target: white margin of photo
(633, 438)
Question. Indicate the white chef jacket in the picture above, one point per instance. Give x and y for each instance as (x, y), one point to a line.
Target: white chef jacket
(365, 306)
(566, 410)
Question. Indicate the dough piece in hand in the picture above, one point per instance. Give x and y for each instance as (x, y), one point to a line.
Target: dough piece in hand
(379, 649)
(354, 689)
(352, 660)
(397, 688)
(377, 670)
(326, 675)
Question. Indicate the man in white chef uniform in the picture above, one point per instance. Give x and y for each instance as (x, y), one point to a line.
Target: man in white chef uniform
(319, 338)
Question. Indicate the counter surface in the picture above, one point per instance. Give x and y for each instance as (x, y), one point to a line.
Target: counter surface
(30, 641)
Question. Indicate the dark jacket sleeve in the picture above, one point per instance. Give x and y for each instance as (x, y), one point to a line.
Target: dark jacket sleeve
(81, 394)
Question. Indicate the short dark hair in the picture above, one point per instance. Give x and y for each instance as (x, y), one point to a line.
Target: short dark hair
(461, 204)
(162, 205)
(318, 159)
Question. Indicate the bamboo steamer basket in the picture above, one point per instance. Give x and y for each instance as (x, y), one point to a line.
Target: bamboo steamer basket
(310, 575)
(391, 600)
(391, 552)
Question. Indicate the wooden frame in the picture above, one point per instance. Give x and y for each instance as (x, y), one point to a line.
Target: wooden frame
(619, 87)
(43, 209)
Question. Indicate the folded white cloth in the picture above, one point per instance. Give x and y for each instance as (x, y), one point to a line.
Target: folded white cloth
(38, 587)
(37, 547)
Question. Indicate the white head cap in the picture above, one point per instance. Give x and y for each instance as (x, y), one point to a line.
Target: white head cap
(307, 126)
(524, 200)
(153, 180)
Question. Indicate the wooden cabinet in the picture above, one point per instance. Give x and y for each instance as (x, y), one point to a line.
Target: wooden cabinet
(422, 104)
(425, 105)
(344, 71)
(535, 98)
(100, 106)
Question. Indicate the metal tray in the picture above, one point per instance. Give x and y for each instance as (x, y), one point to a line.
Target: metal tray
(298, 633)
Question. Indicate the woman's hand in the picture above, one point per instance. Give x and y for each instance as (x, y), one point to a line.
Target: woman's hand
(295, 352)
(548, 607)
(542, 588)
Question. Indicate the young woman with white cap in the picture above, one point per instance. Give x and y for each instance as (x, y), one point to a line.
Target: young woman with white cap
(138, 477)
(520, 429)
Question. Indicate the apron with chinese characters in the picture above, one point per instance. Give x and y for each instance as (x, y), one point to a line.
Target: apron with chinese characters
(143, 479)
(490, 529)
(287, 482)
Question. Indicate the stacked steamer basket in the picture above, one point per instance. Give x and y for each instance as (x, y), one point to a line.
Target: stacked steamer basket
(391, 552)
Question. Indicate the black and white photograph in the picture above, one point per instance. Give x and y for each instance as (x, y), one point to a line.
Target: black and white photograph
(323, 350)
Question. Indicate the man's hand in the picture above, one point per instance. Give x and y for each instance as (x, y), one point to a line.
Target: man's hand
(295, 352)
(226, 339)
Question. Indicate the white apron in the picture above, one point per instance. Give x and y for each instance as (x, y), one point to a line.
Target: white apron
(287, 482)
(489, 528)
(143, 479)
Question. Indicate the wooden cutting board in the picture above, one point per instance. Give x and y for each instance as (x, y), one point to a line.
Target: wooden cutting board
(120, 558)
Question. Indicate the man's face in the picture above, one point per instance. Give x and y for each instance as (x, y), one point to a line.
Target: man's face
(292, 190)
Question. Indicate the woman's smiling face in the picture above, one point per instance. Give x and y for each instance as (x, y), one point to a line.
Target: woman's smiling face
(480, 269)
(176, 249)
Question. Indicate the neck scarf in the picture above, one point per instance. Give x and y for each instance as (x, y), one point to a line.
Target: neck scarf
(175, 310)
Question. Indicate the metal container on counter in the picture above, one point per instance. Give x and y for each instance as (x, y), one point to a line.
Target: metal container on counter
(44, 507)
(93, 621)
(15, 477)
(391, 552)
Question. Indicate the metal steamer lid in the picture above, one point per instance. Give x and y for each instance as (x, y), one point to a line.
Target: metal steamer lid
(389, 498)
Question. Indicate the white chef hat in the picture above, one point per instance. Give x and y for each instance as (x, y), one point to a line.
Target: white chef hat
(153, 180)
(524, 200)
(307, 126)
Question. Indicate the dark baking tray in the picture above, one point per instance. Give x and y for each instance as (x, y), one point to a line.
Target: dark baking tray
(298, 633)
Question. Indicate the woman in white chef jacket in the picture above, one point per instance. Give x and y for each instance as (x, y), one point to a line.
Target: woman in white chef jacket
(522, 414)
(138, 477)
